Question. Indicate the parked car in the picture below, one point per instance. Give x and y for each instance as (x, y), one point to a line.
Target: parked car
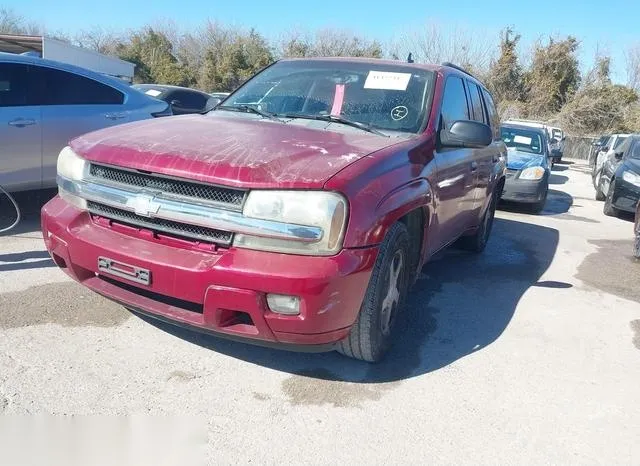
(619, 184)
(595, 148)
(297, 214)
(606, 151)
(183, 100)
(555, 136)
(44, 104)
(636, 243)
(528, 166)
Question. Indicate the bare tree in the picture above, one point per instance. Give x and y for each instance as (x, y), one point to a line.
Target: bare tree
(13, 23)
(99, 39)
(632, 56)
(434, 43)
(328, 42)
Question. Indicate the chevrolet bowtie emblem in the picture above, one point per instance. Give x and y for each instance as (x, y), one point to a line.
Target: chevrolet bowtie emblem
(144, 205)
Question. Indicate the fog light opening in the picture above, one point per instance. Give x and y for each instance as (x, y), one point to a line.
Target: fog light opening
(284, 304)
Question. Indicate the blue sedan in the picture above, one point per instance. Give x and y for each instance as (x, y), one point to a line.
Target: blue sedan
(528, 165)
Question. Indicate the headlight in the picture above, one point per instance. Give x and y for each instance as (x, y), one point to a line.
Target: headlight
(71, 167)
(532, 173)
(632, 178)
(324, 210)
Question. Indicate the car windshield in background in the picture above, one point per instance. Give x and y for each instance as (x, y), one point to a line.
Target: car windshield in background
(384, 97)
(522, 140)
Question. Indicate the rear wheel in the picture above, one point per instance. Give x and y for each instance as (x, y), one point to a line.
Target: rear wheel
(373, 332)
(609, 208)
(478, 242)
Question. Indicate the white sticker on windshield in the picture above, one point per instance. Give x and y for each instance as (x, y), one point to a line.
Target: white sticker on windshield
(387, 80)
(153, 93)
(522, 140)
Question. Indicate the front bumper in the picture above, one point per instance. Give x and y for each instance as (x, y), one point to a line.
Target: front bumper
(222, 291)
(626, 196)
(525, 191)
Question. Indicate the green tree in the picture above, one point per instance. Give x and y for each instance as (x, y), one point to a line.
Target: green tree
(152, 53)
(553, 78)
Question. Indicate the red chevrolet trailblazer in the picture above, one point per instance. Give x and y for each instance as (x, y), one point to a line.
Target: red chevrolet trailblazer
(297, 213)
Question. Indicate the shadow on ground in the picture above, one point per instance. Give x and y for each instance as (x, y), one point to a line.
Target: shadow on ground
(558, 203)
(30, 203)
(460, 305)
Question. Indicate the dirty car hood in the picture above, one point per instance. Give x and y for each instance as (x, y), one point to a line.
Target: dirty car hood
(230, 149)
(519, 160)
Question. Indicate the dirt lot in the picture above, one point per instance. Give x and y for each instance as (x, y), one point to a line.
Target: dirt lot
(529, 353)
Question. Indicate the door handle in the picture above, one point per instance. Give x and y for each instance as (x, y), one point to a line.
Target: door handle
(474, 166)
(114, 116)
(21, 122)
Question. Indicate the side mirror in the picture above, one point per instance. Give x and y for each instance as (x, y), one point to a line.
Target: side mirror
(555, 154)
(605, 149)
(618, 155)
(553, 141)
(176, 103)
(212, 103)
(466, 133)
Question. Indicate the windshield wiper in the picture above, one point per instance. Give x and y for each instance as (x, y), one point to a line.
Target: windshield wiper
(249, 109)
(337, 119)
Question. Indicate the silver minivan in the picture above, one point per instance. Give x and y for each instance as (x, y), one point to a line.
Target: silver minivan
(44, 104)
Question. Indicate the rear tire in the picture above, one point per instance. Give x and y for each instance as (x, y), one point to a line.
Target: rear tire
(373, 332)
(478, 241)
(609, 208)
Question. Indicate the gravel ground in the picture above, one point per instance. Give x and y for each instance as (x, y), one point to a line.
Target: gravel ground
(528, 353)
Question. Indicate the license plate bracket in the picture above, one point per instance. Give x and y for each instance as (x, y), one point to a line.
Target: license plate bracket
(123, 270)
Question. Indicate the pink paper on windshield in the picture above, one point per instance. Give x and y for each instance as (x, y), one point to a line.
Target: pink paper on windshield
(338, 99)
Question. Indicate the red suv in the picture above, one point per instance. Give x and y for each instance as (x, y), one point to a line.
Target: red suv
(297, 213)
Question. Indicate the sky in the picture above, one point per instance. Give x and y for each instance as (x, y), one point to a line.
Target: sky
(608, 27)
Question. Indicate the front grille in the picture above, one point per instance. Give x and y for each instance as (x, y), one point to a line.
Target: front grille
(232, 198)
(183, 230)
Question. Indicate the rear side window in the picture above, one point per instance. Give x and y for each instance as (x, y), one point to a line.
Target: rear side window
(14, 83)
(64, 88)
(619, 141)
(476, 102)
(492, 113)
(454, 102)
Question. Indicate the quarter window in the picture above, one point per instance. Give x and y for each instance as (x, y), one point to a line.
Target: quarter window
(476, 102)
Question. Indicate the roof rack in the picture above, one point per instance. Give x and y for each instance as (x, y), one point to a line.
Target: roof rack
(459, 68)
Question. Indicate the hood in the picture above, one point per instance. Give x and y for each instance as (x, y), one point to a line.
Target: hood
(633, 165)
(230, 149)
(519, 160)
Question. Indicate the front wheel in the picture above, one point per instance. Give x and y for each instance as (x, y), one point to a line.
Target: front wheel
(372, 334)
(539, 206)
(609, 209)
(597, 181)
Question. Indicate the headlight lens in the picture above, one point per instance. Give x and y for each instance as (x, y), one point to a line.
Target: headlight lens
(632, 178)
(325, 210)
(71, 165)
(532, 173)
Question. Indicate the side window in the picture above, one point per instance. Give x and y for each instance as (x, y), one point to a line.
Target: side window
(454, 102)
(634, 153)
(14, 82)
(64, 88)
(476, 102)
(190, 100)
(494, 121)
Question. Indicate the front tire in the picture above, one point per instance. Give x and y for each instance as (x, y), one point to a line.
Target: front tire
(636, 243)
(597, 181)
(372, 334)
(539, 206)
(609, 208)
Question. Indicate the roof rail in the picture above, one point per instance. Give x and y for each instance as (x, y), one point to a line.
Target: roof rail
(459, 68)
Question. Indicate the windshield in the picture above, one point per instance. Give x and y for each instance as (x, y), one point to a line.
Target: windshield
(522, 140)
(386, 97)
